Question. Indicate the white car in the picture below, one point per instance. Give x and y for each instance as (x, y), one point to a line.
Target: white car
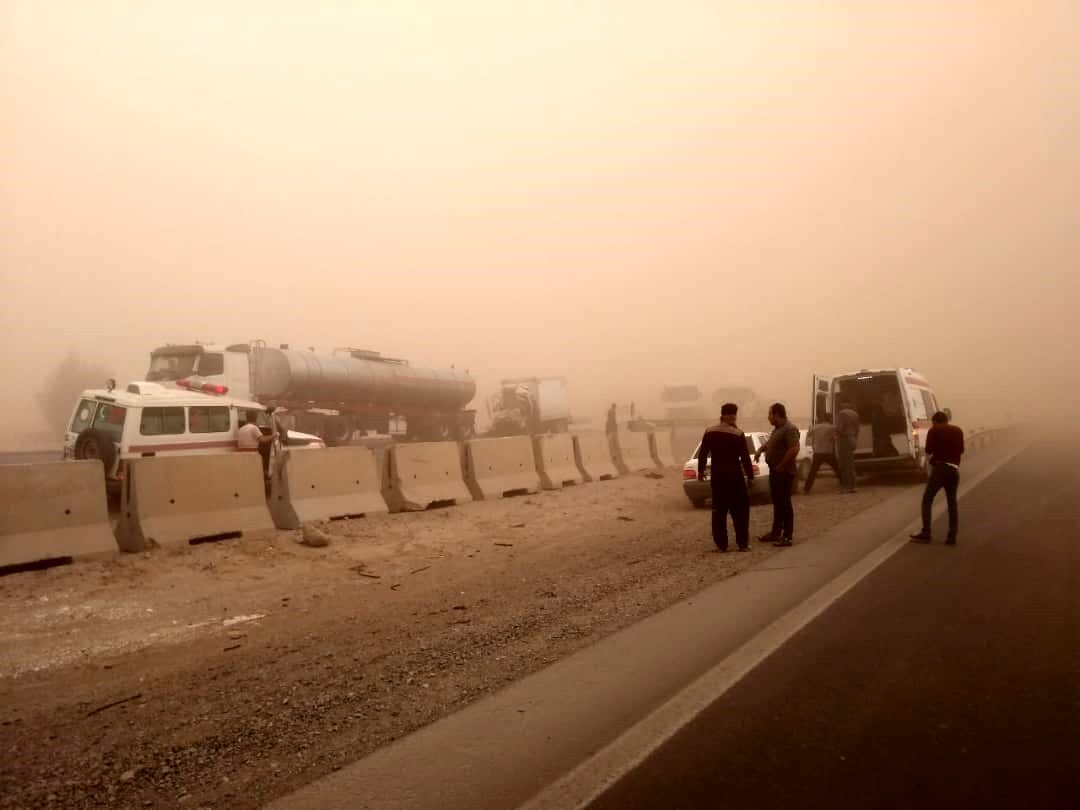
(700, 491)
(148, 419)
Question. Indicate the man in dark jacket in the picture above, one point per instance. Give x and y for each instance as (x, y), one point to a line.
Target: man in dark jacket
(780, 453)
(726, 445)
(944, 447)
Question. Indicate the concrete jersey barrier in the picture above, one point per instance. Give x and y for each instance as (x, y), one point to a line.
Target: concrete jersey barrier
(325, 484)
(53, 511)
(555, 460)
(592, 454)
(630, 451)
(662, 453)
(495, 468)
(171, 501)
(423, 474)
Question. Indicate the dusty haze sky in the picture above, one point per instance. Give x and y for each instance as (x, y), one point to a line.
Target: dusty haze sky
(627, 193)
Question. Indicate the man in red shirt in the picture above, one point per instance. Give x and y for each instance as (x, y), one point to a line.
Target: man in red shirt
(944, 446)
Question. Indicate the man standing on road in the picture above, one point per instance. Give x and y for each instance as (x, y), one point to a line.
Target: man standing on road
(780, 453)
(611, 425)
(822, 439)
(726, 445)
(944, 447)
(847, 436)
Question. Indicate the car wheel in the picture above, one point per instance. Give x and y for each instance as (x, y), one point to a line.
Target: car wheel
(699, 503)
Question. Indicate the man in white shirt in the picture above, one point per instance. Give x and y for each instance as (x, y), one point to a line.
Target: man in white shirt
(250, 435)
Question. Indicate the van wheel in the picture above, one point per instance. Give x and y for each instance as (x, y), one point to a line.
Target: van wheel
(699, 503)
(96, 445)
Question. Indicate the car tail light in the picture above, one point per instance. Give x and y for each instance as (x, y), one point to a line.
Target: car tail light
(213, 388)
(689, 474)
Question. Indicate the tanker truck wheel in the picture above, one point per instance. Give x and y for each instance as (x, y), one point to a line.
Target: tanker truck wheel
(337, 430)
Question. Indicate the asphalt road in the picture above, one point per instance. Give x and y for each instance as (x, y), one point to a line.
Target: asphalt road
(949, 677)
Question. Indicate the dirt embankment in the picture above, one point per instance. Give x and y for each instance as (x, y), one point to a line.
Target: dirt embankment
(226, 674)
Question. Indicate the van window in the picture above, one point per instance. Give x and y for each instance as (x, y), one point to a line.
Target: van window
(209, 419)
(928, 403)
(918, 405)
(84, 415)
(211, 364)
(161, 421)
(110, 420)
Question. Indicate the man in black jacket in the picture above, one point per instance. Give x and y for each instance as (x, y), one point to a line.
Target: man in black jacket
(726, 444)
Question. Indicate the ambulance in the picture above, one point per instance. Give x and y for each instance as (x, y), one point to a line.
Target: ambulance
(895, 406)
(146, 419)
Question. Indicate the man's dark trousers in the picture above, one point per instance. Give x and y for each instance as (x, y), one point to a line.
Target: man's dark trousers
(942, 476)
(820, 459)
(729, 495)
(783, 520)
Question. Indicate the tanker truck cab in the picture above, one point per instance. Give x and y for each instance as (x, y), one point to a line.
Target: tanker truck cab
(226, 366)
(147, 419)
(894, 406)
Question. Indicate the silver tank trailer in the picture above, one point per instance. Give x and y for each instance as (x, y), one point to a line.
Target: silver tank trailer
(291, 375)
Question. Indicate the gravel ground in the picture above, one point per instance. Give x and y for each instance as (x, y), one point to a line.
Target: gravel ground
(244, 669)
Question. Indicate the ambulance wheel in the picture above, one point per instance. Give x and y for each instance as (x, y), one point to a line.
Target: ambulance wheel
(96, 445)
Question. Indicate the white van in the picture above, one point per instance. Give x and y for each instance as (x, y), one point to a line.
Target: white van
(148, 419)
(895, 406)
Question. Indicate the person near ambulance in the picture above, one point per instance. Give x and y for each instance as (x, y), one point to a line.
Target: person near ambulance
(780, 453)
(944, 446)
(250, 439)
(847, 436)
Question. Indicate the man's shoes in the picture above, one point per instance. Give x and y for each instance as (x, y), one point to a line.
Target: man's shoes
(783, 542)
(922, 537)
(951, 541)
(744, 548)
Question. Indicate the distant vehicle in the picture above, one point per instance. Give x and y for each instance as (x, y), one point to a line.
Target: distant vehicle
(530, 406)
(148, 419)
(699, 491)
(895, 406)
(333, 394)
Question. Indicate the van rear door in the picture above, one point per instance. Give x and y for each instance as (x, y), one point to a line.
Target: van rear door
(821, 406)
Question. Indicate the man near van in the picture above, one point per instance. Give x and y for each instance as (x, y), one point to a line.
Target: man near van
(822, 439)
(250, 439)
(944, 447)
(731, 473)
(780, 452)
(847, 436)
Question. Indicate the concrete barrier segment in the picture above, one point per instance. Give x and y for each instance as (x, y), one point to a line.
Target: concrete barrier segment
(325, 484)
(420, 475)
(592, 454)
(174, 500)
(53, 511)
(661, 447)
(496, 468)
(630, 451)
(555, 460)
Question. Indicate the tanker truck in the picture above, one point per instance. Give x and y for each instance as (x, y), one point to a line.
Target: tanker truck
(332, 394)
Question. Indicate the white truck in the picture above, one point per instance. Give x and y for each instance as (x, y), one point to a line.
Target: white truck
(530, 406)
